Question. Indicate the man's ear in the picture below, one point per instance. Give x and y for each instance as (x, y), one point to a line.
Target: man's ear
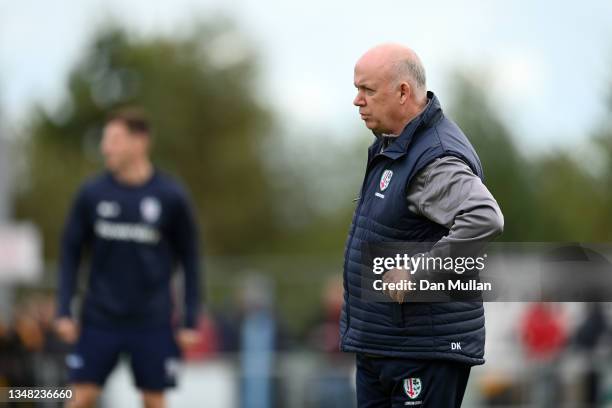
(405, 92)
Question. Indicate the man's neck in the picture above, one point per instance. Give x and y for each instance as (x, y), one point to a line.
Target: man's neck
(135, 175)
(387, 139)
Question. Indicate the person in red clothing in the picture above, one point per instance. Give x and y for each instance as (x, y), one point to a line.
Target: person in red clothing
(543, 331)
(544, 335)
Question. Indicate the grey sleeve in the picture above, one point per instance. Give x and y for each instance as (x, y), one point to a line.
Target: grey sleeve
(450, 194)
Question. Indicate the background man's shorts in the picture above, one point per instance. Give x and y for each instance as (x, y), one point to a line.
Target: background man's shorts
(396, 382)
(153, 355)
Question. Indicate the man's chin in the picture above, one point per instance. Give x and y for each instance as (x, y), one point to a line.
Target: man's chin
(373, 126)
(370, 126)
(111, 167)
(376, 130)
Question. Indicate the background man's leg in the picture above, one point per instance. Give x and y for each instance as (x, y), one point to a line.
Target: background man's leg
(84, 395)
(153, 399)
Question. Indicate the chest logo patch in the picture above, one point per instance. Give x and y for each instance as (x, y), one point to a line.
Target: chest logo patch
(150, 209)
(108, 209)
(385, 179)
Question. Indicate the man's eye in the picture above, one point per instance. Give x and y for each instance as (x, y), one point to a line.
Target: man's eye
(370, 91)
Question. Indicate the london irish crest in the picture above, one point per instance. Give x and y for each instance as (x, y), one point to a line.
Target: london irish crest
(412, 387)
(385, 179)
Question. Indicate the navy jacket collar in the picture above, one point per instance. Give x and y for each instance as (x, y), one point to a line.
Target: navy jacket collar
(430, 115)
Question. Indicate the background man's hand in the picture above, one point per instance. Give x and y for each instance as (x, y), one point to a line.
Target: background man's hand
(67, 329)
(187, 338)
(396, 276)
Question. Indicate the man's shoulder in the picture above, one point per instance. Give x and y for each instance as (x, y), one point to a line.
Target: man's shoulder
(94, 183)
(447, 130)
(450, 140)
(170, 184)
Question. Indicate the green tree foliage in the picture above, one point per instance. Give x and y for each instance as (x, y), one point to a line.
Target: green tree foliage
(602, 142)
(558, 196)
(199, 90)
(573, 190)
(318, 177)
(569, 199)
(506, 171)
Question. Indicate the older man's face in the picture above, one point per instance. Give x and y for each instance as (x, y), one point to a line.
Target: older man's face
(377, 98)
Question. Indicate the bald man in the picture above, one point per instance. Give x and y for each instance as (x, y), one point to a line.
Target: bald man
(423, 183)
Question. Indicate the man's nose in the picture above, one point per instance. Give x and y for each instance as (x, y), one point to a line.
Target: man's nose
(358, 101)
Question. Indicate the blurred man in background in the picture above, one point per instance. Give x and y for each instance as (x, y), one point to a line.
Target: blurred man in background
(136, 222)
(423, 183)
